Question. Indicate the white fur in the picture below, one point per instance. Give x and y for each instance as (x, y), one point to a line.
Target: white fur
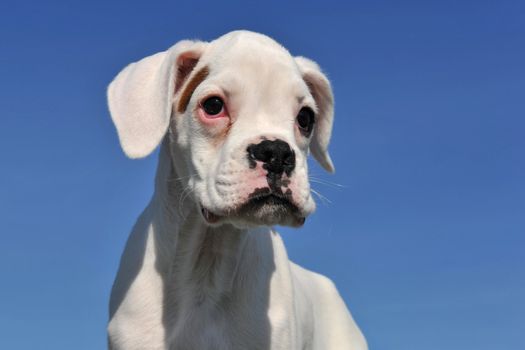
(186, 283)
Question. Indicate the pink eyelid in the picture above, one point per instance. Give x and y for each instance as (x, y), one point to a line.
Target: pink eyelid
(221, 114)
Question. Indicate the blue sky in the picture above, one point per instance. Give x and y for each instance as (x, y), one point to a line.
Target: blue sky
(424, 233)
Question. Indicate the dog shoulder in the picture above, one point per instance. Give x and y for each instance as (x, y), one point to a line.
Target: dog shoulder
(314, 282)
(334, 326)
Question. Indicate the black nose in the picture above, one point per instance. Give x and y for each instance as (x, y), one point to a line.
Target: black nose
(276, 155)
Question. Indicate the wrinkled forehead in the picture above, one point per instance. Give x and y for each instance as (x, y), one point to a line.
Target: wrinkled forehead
(254, 60)
(250, 48)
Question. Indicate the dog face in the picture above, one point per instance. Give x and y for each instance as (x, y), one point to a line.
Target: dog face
(242, 114)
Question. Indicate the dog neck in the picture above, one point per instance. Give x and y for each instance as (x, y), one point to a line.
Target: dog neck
(187, 249)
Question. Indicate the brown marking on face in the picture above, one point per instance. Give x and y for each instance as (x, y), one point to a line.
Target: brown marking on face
(184, 67)
(190, 87)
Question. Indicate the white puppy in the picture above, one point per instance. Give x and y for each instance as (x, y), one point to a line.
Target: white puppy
(202, 268)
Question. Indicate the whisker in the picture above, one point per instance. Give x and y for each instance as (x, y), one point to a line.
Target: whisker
(180, 178)
(185, 193)
(325, 182)
(322, 198)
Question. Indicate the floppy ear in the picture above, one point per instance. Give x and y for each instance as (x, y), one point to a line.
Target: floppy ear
(322, 93)
(140, 97)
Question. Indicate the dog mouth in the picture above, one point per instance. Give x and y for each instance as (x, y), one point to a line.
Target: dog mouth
(210, 217)
(263, 207)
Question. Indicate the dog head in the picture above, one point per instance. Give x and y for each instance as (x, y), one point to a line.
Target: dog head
(241, 115)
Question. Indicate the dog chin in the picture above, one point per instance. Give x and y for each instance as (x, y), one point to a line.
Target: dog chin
(267, 210)
(270, 210)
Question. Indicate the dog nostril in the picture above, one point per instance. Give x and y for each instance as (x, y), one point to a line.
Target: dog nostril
(251, 153)
(289, 159)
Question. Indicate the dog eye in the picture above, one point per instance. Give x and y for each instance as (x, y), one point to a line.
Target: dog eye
(213, 105)
(305, 120)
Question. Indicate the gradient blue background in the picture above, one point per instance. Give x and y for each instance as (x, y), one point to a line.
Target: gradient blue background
(424, 233)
